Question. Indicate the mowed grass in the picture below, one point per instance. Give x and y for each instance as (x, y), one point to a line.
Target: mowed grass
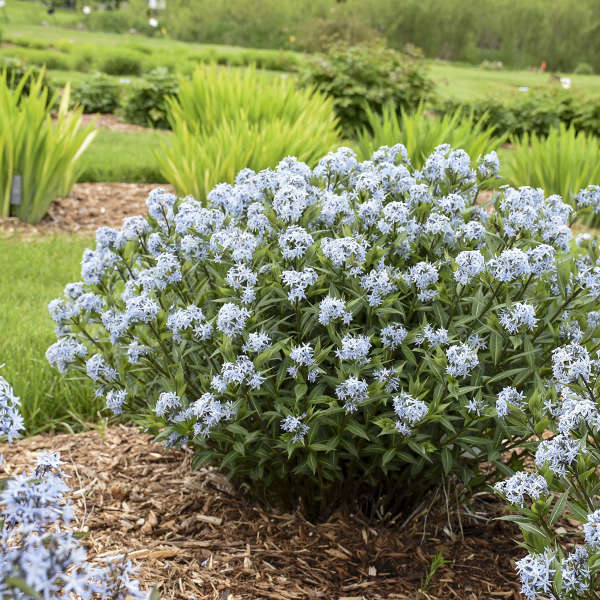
(124, 156)
(33, 272)
(466, 82)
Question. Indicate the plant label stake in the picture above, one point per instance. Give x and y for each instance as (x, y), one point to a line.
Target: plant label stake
(16, 190)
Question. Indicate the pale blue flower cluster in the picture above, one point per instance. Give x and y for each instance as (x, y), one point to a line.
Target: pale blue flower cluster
(509, 396)
(298, 281)
(63, 353)
(209, 412)
(409, 411)
(393, 335)
(518, 315)
(462, 359)
(38, 552)
(231, 319)
(558, 453)
(571, 362)
(522, 484)
(296, 427)
(331, 309)
(470, 264)
(352, 392)
(354, 347)
(11, 421)
(189, 318)
(537, 574)
(590, 196)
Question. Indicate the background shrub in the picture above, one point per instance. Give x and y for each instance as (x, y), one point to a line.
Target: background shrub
(16, 69)
(224, 120)
(97, 94)
(121, 63)
(534, 112)
(146, 103)
(131, 16)
(42, 58)
(45, 154)
(584, 68)
(453, 30)
(320, 334)
(368, 75)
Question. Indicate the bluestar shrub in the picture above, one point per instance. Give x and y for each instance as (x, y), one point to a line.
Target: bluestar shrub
(320, 333)
(556, 496)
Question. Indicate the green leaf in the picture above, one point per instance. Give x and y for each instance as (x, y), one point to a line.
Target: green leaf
(496, 345)
(446, 460)
(154, 595)
(16, 582)
(311, 461)
(357, 429)
(388, 456)
(559, 508)
(300, 390)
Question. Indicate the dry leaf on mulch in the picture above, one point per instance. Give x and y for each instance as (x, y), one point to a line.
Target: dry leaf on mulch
(195, 536)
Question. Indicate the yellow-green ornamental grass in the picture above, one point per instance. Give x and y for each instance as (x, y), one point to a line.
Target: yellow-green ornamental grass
(226, 120)
(562, 163)
(45, 153)
(421, 133)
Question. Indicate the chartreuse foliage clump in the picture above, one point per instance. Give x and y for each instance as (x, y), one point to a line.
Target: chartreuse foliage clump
(420, 134)
(42, 154)
(224, 121)
(315, 333)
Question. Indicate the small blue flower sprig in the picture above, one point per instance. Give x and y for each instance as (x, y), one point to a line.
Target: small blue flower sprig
(561, 488)
(316, 331)
(40, 557)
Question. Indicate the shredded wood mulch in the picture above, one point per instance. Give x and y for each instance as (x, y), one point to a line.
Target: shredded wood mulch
(89, 206)
(196, 537)
(111, 122)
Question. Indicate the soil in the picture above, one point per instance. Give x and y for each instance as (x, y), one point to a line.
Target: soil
(110, 121)
(89, 206)
(196, 537)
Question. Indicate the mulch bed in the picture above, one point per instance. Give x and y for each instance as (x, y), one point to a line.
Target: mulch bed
(195, 537)
(112, 122)
(89, 206)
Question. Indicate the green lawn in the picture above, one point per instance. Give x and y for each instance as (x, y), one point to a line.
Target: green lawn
(126, 157)
(467, 82)
(35, 271)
